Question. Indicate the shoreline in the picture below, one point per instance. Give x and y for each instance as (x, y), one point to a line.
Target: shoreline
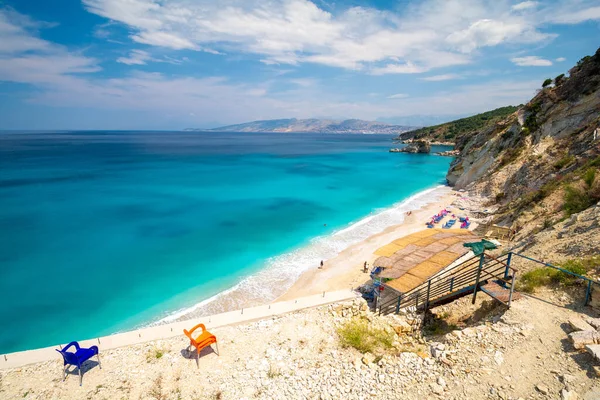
(345, 270)
(339, 278)
(285, 277)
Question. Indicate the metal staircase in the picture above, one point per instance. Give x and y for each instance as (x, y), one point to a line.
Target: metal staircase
(493, 276)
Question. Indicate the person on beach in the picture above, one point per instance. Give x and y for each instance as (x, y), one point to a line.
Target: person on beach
(321, 266)
(365, 267)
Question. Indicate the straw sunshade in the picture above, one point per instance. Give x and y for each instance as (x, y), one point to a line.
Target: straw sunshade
(405, 283)
(444, 258)
(387, 250)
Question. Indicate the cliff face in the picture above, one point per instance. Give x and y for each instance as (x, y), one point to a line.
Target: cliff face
(539, 160)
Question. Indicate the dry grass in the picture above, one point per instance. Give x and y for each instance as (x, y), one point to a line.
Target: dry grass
(365, 338)
(157, 390)
(156, 353)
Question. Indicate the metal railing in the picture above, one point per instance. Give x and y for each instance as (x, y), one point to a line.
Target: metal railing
(468, 277)
(590, 282)
(457, 281)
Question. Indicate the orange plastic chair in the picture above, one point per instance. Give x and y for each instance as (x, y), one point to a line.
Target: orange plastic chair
(204, 339)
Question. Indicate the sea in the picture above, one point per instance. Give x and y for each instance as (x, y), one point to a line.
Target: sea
(107, 231)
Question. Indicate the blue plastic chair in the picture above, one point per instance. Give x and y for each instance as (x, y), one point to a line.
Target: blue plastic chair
(80, 356)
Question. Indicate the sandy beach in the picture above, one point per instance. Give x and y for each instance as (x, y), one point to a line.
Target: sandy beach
(346, 269)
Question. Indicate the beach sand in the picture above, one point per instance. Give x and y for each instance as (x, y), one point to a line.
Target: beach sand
(346, 269)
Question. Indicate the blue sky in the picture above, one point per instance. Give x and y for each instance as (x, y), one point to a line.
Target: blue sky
(172, 64)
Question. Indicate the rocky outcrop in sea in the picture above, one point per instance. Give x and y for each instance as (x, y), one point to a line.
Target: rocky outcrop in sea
(418, 146)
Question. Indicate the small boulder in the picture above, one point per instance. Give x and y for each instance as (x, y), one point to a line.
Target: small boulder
(437, 389)
(577, 324)
(594, 350)
(595, 322)
(568, 395)
(543, 389)
(368, 358)
(401, 326)
(581, 338)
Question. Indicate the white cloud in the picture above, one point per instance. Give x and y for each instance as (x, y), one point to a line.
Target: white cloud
(560, 59)
(292, 31)
(429, 34)
(164, 39)
(526, 5)
(531, 61)
(304, 82)
(26, 58)
(488, 32)
(408, 68)
(136, 57)
(573, 16)
(398, 96)
(442, 77)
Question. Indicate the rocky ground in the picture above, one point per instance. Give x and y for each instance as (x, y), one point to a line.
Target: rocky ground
(576, 236)
(480, 351)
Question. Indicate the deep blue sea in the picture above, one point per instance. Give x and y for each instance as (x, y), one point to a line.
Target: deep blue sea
(106, 231)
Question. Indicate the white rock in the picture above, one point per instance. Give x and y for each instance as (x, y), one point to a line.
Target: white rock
(581, 338)
(498, 357)
(437, 389)
(577, 324)
(568, 395)
(543, 389)
(368, 358)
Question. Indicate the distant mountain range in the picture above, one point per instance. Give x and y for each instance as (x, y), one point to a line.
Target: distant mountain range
(314, 126)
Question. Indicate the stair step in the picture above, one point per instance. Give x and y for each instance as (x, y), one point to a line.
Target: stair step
(499, 292)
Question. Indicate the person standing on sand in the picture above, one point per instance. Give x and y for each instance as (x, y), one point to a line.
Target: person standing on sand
(365, 267)
(321, 266)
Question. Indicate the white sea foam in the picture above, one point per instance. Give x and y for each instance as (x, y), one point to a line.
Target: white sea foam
(282, 271)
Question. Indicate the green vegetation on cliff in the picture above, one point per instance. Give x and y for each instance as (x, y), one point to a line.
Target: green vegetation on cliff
(547, 276)
(541, 165)
(449, 131)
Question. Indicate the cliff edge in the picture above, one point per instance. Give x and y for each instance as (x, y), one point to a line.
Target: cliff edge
(540, 164)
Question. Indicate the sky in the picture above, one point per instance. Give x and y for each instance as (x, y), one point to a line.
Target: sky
(175, 64)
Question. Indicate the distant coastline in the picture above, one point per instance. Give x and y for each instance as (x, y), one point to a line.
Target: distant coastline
(293, 125)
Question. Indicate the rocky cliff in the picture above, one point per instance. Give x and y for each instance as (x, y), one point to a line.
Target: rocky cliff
(541, 163)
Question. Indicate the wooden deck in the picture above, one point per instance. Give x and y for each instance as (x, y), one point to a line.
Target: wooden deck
(413, 259)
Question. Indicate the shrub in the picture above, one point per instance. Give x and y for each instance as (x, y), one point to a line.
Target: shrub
(559, 79)
(546, 276)
(154, 354)
(567, 159)
(510, 155)
(576, 200)
(583, 61)
(589, 177)
(359, 334)
(547, 82)
(438, 325)
(273, 372)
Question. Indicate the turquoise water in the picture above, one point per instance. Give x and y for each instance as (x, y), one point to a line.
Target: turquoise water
(106, 231)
